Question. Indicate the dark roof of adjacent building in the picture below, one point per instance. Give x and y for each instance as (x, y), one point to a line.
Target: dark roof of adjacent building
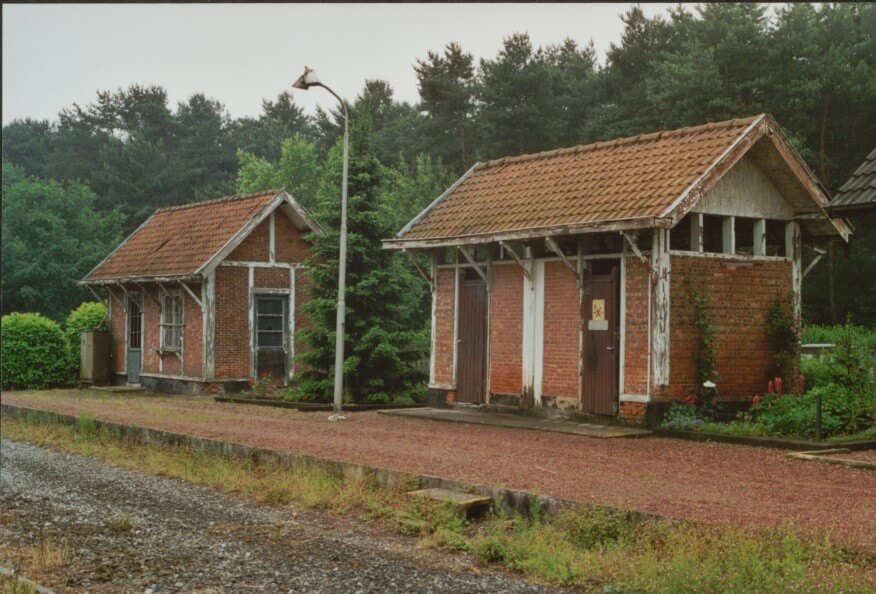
(860, 191)
(636, 181)
(178, 241)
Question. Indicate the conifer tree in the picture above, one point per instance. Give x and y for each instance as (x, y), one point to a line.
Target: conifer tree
(384, 333)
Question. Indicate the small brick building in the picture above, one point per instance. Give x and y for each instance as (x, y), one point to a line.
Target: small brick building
(208, 294)
(564, 279)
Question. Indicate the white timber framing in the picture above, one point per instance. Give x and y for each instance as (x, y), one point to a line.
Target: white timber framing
(193, 295)
(527, 271)
(208, 313)
(434, 331)
(632, 241)
(477, 265)
(553, 246)
(272, 236)
(794, 252)
(696, 232)
(430, 279)
(661, 266)
(456, 272)
(291, 354)
(760, 237)
(250, 307)
(819, 254)
(581, 262)
(533, 329)
(728, 235)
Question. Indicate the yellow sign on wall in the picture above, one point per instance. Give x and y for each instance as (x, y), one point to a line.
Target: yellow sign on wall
(598, 310)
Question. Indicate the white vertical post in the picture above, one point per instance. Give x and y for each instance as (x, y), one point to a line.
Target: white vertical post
(728, 235)
(272, 241)
(434, 331)
(661, 266)
(760, 237)
(794, 252)
(252, 328)
(291, 322)
(696, 232)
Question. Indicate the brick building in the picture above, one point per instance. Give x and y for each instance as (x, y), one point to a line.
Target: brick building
(564, 279)
(208, 294)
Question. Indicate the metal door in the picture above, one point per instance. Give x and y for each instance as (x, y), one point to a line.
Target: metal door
(471, 342)
(134, 358)
(599, 320)
(271, 338)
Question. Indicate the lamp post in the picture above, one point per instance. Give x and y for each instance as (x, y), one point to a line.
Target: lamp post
(304, 82)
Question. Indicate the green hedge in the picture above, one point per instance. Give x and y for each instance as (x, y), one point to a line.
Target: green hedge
(90, 315)
(832, 334)
(34, 352)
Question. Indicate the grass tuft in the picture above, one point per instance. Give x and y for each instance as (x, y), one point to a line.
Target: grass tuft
(589, 548)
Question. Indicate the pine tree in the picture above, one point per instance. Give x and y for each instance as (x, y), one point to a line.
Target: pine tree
(384, 336)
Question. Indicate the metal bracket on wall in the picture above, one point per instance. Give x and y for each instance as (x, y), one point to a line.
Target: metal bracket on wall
(510, 249)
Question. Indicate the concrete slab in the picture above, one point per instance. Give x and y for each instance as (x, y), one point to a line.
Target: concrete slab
(519, 422)
(119, 389)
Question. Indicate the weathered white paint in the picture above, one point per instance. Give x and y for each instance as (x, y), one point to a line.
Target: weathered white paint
(434, 331)
(661, 266)
(581, 263)
(192, 295)
(533, 329)
(456, 274)
(553, 246)
(208, 290)
(622, 315)
(291, 353)
(696, 232)
(272, 239)
(634, 398)
(745, 191)
(246, 264)
(728, 257)
(760, 237)
(488, 337)
(794, 252)
(251, 315)
(478, 266)
(728, 235)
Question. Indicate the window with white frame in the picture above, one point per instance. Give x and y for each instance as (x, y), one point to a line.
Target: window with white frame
(171, 320)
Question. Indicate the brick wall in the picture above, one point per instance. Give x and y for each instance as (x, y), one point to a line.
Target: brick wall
(193, 334)
(633, 412)
(506, 330)
(741, 294)
(232, 342)
(289, 244)
(562, 314)
(636, 325)
(444, 324)
(117, 327)
(151, 337)
(255, 248)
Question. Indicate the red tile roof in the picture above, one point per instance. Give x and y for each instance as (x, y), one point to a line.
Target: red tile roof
(628, 178)
(178, 240)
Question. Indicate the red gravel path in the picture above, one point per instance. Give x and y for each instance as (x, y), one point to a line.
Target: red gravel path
(669, 477)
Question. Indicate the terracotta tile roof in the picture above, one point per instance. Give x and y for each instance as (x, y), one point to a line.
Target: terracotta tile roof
(178, 240)
(628, 178)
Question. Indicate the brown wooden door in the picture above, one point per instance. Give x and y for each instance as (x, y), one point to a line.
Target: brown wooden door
(599, 320)
(471, 342)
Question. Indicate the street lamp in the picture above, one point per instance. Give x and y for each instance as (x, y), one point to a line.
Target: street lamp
(304, 82)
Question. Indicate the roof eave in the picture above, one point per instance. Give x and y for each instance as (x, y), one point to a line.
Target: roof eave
(531, 233)
(167, 278)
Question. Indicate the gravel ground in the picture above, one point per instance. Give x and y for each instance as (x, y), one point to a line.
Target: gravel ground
(670, 477)
(186, 538)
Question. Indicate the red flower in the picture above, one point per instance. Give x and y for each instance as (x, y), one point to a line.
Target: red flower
(756, 400)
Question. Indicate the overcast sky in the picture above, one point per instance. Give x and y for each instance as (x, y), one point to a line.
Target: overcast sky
(55, 55)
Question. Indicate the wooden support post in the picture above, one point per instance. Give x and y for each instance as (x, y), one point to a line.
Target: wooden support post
(661, 265)
(728, 235)
(696, 232)
(527, 272)
(760, 237)
(193, 296)
(631, 240)
(208, 289)
(149, 295)
(429, 278)
(471, 260)
(793, 251)
(555, 248)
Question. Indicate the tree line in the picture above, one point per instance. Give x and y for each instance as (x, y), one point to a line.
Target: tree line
(72, 188)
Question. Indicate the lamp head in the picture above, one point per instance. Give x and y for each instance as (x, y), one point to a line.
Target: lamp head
(306, 80)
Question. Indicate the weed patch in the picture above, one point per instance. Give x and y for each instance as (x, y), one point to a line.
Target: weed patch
(590, 548)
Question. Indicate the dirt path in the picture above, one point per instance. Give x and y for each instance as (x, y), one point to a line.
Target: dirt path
(669, 477)
(183, 538)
